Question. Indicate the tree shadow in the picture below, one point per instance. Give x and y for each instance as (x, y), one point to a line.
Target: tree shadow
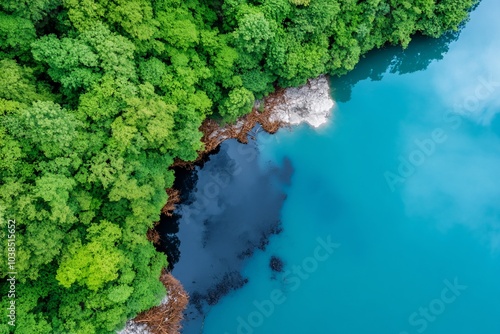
(421, 52)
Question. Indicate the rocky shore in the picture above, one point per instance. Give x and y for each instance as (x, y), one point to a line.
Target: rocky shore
(165, 318)
(311, 104)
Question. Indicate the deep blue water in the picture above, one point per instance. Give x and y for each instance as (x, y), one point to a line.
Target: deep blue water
(391, 221)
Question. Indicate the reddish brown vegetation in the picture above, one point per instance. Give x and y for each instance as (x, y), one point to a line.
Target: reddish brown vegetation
(168, 209)
(214, 134)
(174, 197)
(167, 318)
(153, 235)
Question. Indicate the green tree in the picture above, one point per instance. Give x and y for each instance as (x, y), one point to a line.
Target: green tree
(238, 103)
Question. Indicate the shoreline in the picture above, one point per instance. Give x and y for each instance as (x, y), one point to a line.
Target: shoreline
(165, 318)
(310, 103)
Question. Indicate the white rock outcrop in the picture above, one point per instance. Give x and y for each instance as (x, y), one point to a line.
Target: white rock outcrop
(133, 327)
(310, 103)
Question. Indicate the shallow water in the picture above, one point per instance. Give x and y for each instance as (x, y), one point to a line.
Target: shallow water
(391, 222)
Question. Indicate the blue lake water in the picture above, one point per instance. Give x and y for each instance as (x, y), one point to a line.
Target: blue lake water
(391, 222)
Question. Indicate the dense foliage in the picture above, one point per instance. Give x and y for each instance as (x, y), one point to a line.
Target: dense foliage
(97, 98)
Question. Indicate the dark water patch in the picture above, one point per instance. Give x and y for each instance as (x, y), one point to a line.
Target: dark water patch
(185, 181)
(230, 207)
(186, 178)
(168, 228)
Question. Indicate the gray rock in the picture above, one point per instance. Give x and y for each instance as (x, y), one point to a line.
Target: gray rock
(310, 103)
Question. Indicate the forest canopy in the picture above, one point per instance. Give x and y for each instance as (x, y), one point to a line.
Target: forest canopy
(97, 99)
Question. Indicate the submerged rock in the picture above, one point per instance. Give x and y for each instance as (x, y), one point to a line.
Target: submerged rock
(276, 264)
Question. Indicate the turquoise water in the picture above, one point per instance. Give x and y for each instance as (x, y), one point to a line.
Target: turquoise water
(370, 249)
